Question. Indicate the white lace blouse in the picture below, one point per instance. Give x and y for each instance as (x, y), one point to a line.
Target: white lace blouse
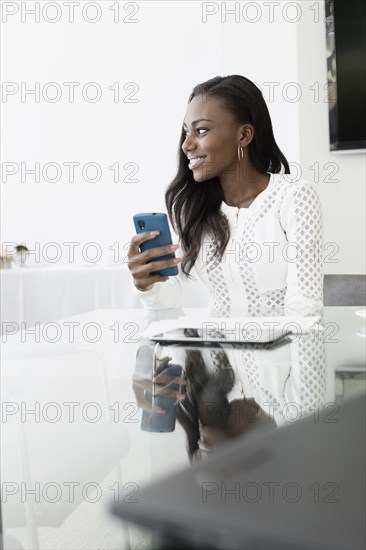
(272, 264)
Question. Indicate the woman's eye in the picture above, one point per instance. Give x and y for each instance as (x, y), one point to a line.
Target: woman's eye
(200, 131)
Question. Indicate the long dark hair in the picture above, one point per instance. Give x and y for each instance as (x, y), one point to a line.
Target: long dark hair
(195, 209)
(206, 400)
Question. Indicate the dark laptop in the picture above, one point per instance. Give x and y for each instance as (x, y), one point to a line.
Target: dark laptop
(299, 487)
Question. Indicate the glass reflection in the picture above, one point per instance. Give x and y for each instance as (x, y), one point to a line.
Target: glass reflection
(220, 391)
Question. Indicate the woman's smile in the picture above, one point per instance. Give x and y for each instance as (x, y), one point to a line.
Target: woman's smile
(194, 162)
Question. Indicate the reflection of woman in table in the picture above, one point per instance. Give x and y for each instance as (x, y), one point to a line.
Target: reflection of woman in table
(231, 391)
(252, 234)
(212, 408)
(215, 410)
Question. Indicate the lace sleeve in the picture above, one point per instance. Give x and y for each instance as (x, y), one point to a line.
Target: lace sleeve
(301, 218)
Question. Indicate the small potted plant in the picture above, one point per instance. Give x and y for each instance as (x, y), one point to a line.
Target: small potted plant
(6, 261)
(21, 254)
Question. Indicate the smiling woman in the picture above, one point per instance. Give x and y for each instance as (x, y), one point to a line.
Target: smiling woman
(253, 235)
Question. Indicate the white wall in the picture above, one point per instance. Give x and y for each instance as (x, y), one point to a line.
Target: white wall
(262, 46)
(343, 199)
(166, 53)
(171, 48)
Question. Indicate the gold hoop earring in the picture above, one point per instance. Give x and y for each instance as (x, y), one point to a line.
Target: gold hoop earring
(240, 152)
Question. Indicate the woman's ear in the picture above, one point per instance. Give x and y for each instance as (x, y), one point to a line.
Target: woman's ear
(246, 134)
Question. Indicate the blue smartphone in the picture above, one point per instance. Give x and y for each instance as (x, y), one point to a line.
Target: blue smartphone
(154, 422)
(153, 221)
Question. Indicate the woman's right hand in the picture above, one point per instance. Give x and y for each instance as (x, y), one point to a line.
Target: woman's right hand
(160, 385)
(140, 270)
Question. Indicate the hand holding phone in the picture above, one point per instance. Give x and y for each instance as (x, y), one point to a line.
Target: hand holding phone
(156, 221)
(162, 417)
(151, 254)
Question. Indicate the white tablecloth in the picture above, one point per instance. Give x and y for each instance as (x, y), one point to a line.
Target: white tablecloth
(46, 294)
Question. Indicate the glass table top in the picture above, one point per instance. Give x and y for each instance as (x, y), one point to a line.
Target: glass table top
(93, 412)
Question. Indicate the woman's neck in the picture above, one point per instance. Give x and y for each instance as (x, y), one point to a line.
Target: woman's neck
(243, 192)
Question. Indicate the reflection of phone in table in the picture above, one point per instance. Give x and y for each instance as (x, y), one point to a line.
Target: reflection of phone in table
(153, 221)
(155, 422)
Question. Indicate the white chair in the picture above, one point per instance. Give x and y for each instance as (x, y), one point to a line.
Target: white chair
(56, 452)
